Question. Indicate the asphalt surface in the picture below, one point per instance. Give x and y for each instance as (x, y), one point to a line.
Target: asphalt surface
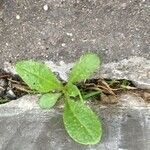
(63, 30)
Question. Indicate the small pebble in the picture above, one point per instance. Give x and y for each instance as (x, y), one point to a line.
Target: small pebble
(69, 34)
(45, 7)
(17, 17)
(63, 44)
(3, 86)
(10, 94)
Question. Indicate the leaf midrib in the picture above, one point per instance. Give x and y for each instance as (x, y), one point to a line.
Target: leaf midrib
(81, 123)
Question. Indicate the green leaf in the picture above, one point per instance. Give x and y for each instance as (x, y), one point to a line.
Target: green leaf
(84, 68)
(81, 123)
(38, 76)
(72, 90)
(47, 101)
(91, 94)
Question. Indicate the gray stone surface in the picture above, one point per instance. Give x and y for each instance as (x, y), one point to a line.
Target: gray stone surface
(24, 126)
(136, 69)
(64, 29)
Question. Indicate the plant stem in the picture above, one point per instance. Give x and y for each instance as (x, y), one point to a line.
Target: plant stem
(91, 94)
(82, 101)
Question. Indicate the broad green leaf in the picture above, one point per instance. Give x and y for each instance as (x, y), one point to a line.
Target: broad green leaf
(81, 123)
(72, 90)
(48, 100)
(84, 68)
(38, 76)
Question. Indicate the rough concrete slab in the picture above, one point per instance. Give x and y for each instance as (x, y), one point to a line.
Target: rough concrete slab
(136, 69)
(24, 126)
(64, 29)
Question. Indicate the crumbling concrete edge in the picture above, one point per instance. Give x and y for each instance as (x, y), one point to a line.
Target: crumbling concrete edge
(136, 69)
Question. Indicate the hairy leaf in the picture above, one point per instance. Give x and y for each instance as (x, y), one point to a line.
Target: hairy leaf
(38, 76)
(81, 123)
(84, 68)
(72, 90)
(48, 100)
